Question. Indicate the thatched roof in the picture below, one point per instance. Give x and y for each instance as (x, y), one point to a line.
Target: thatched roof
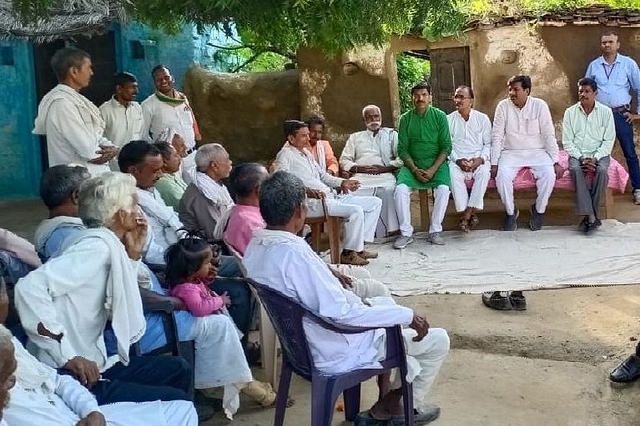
(70, 18)
(598, 14)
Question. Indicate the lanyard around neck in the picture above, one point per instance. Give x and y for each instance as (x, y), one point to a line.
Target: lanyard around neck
(609, 68)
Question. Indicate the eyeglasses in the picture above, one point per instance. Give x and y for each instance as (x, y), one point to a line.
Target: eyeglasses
(460, 97)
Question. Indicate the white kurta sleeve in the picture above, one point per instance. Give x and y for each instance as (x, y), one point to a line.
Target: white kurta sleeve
(548, 132)
(348, 156)
(498, 133)
(395, 160)
(486, 138)
(320, 291)
(77, 397)
(34, 295)
(147, 116)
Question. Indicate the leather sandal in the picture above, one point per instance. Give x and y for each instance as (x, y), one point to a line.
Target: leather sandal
(495, 300)
(474, 221)
(518, 302)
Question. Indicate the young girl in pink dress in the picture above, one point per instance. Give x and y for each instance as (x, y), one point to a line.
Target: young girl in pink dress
(191, 265)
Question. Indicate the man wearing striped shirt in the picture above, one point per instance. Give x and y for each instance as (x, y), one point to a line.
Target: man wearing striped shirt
(616, 75)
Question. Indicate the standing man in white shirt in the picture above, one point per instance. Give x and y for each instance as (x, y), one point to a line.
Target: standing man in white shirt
(588, 133)
(72, 123)
(168, 107)
(371, 157)
(616, 75)
(469, 159)
(361, 213)
(522, 136)
(122, 115)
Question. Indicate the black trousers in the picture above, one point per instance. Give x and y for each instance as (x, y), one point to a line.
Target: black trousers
(147, 378)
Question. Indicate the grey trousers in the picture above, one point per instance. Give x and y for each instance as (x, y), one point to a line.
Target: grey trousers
(588, 200)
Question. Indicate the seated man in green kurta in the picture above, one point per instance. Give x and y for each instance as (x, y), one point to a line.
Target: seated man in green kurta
(424, 143)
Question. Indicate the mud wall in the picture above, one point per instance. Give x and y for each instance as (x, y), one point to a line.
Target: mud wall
(244, 112)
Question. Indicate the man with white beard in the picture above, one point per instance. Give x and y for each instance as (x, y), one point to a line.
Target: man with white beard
(371, 157)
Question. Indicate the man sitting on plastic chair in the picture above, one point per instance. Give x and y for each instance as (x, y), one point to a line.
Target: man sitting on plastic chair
(278, 258)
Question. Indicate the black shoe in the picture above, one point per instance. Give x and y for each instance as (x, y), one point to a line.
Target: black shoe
(591, 227)
(511, 221)
(518, 301)
(495, 300)
(626, 372)
(535, 223)
(205, 412)
(582, 227)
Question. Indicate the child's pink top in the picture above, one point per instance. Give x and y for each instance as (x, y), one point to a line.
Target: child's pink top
(197, 297)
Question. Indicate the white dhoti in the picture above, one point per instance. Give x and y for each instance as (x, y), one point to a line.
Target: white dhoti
(461, 196)
(541, 166)
(219, 359)
(157, 413)
(361, 216)
(424, 358)
(364, 286)
(383, 187)
(403, 206)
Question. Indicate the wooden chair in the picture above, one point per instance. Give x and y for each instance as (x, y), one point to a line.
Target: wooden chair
(333, 228)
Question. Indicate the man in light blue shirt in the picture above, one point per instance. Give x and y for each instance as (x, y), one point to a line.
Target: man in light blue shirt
(616, 75)
(588, 133)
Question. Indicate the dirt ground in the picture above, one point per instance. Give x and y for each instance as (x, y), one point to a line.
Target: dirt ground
(545, 366)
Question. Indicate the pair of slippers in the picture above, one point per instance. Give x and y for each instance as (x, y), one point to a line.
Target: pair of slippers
(467, 225)
(497, 300)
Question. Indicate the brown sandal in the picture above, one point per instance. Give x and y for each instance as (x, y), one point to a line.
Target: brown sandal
(464, 225)
(474, 221)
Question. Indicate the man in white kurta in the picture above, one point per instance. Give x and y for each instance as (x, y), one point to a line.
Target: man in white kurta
(42, 397)
(278, 258)
(122, 115)
(371, 157)
(169, 108)
(469, 159)
(523, 136)
(72, 123)
(361, 213)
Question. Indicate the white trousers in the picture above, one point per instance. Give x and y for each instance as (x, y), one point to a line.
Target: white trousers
(403, 207)
(424, 359)
(360, 213)
(541, 166)
(461, 196)
(382, 186)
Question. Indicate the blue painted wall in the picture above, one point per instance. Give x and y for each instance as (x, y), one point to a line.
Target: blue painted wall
(177, 52)
(19, 149)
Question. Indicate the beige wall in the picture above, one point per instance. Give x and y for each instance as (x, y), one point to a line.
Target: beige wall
(244, 112)
(338, 92)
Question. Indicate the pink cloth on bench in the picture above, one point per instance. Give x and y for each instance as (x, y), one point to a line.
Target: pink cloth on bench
(618, 177)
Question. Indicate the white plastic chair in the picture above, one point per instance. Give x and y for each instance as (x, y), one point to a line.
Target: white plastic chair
(268, 337)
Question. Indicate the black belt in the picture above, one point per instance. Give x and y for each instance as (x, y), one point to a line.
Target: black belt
(189, 151)
(621, 108)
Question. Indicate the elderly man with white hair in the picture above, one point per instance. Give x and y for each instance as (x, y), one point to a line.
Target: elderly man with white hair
(206, 203)
(42, 397)
(371, 157)
(65, 305)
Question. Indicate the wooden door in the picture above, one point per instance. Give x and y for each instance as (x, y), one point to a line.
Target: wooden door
(449, 69)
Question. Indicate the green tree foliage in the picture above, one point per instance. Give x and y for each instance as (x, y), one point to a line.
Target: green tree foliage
(331, 25)
(411, 70)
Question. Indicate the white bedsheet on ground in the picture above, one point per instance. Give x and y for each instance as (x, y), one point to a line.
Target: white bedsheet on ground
(486, 260)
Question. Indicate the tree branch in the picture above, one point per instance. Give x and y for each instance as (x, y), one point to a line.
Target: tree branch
(247, 62)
